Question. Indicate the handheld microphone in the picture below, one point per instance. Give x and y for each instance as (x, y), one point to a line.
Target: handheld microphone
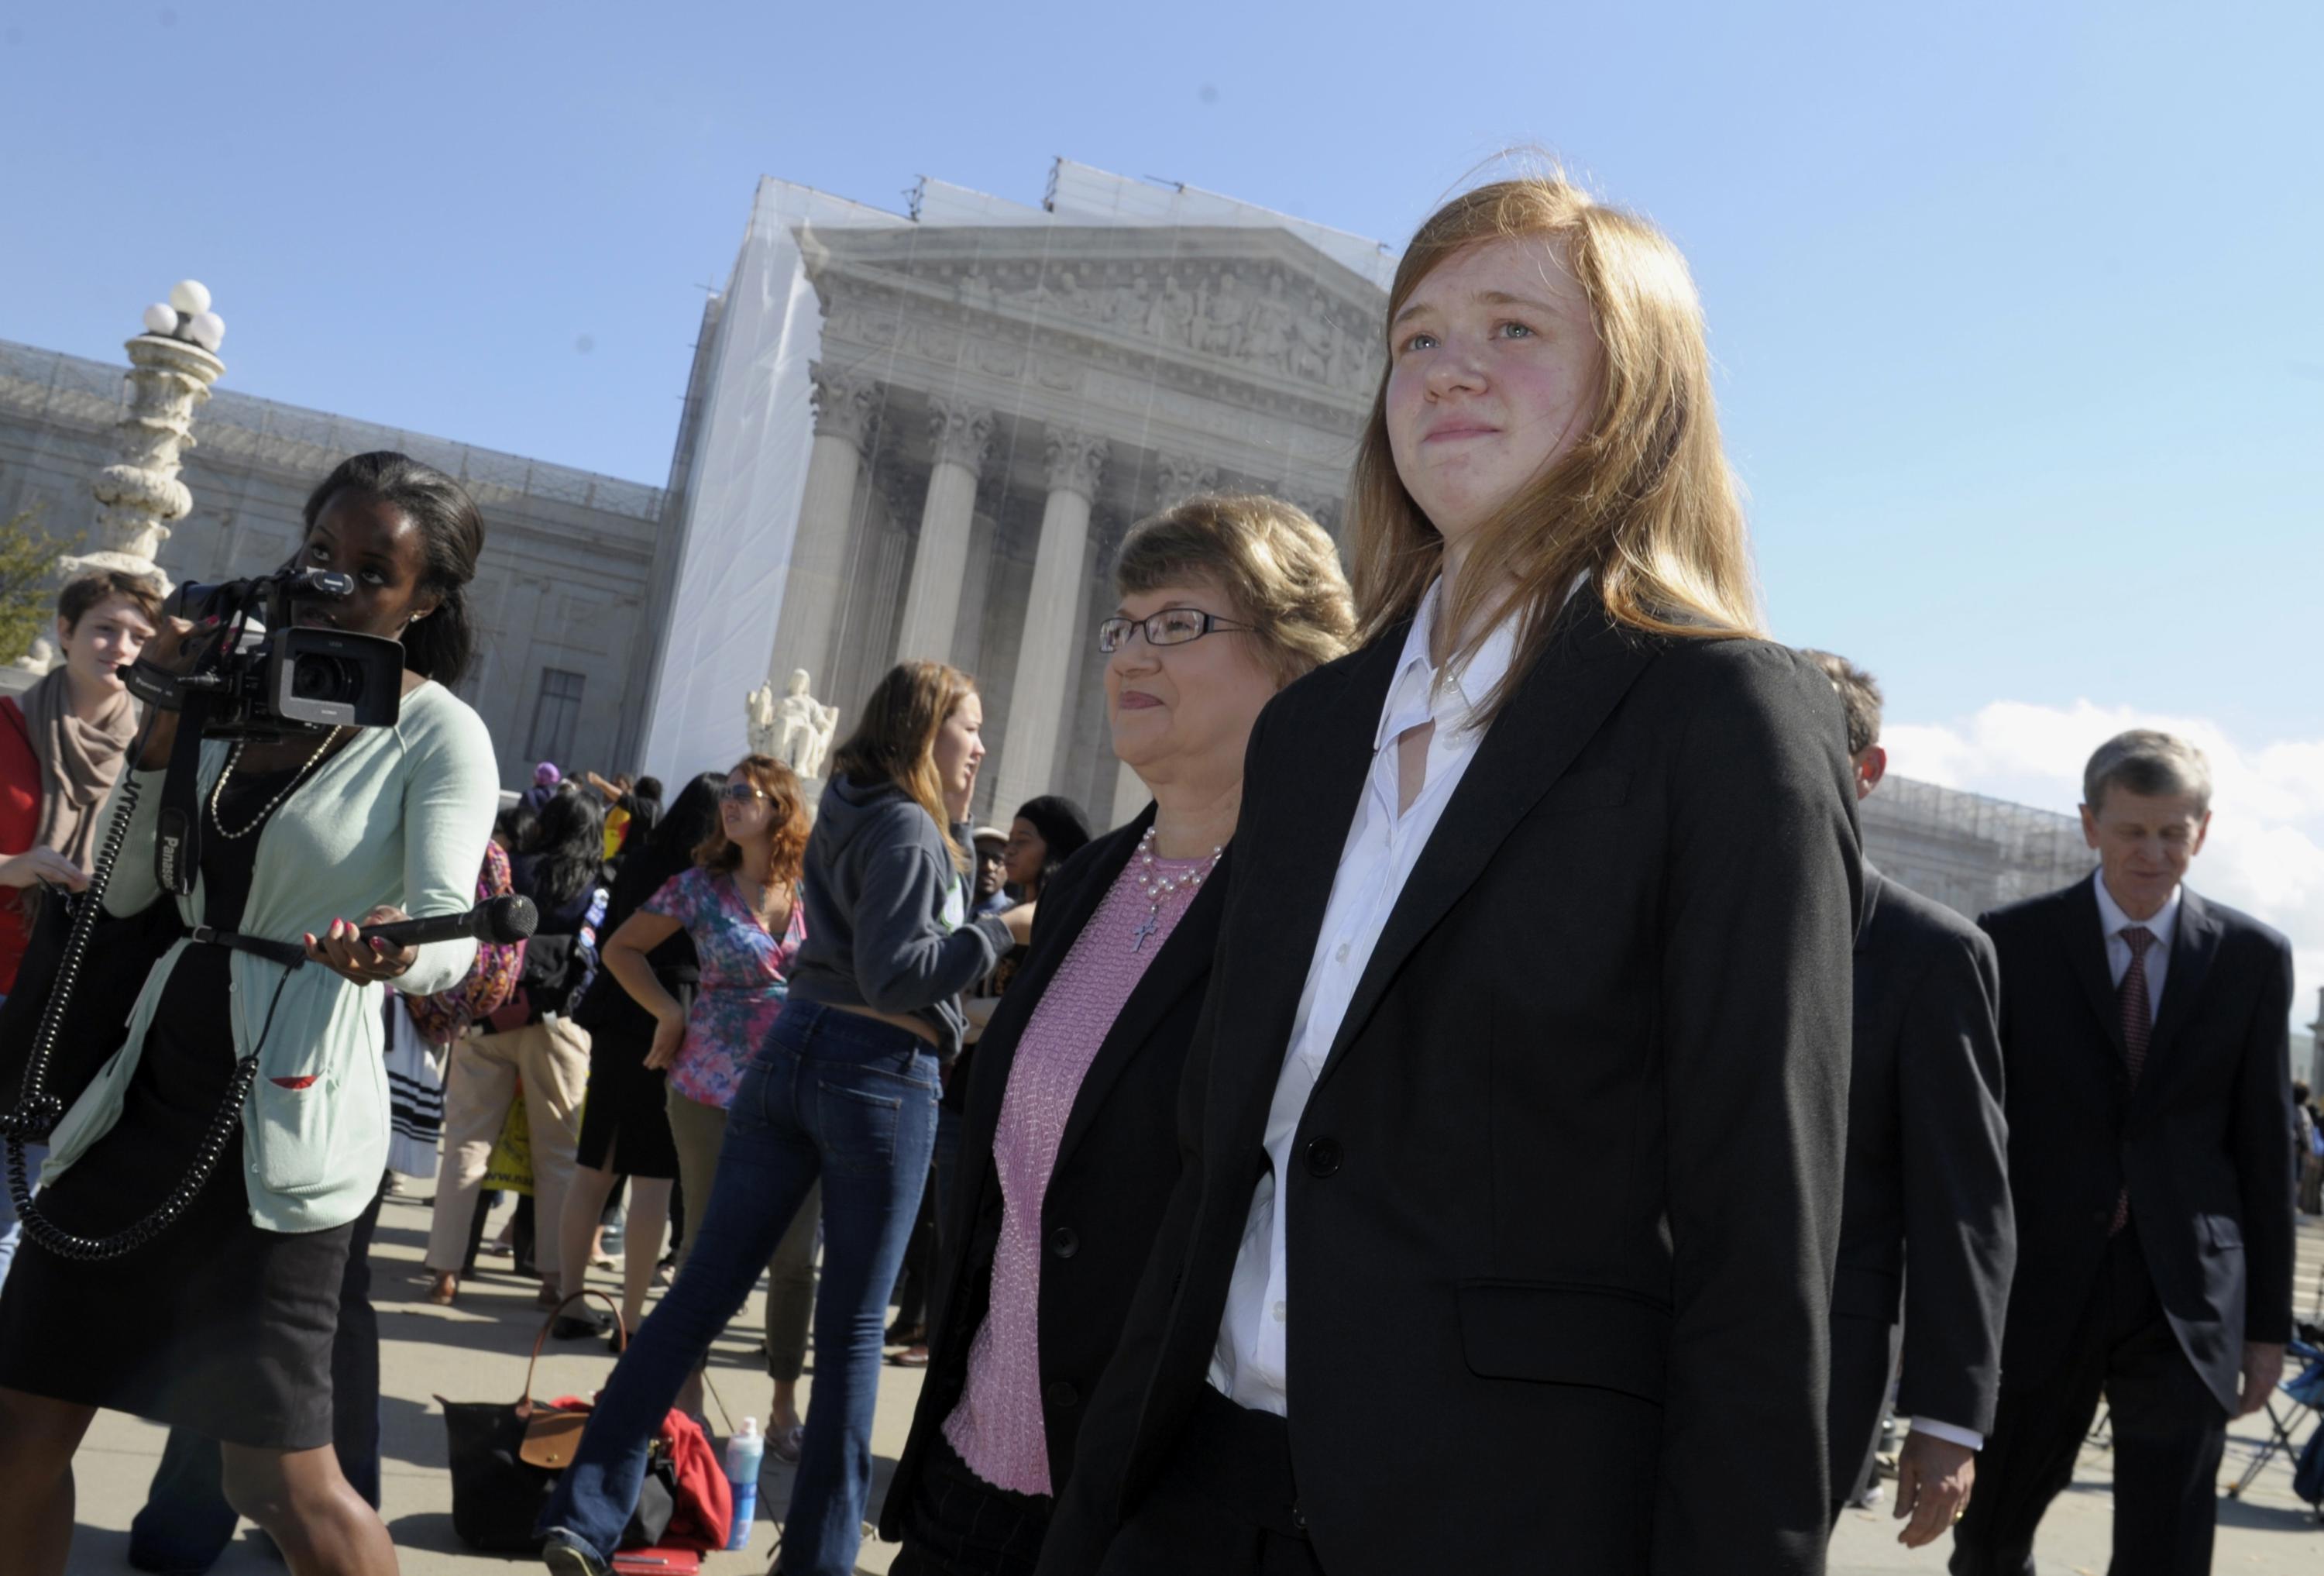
(501, 921)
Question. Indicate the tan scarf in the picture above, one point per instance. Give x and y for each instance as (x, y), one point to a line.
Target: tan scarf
(78, 762)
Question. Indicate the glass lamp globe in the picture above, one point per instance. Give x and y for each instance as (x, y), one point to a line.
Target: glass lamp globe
(190, 296)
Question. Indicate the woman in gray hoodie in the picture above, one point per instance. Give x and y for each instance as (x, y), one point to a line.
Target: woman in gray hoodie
(843, 1091)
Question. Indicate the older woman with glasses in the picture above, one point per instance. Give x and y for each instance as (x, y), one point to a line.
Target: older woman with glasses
(1069, 1151)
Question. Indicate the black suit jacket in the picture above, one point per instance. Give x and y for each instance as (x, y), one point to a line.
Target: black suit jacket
(1926, 1223)
(1117, 1162)
(2204, 1144)
(1567, 1191)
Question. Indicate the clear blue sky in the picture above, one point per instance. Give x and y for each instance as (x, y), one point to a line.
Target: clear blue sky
(2015, 304)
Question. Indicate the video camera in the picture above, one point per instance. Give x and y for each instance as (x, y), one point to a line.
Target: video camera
(265, 677)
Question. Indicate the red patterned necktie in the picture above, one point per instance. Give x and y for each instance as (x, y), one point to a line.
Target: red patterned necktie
(2137, 1029)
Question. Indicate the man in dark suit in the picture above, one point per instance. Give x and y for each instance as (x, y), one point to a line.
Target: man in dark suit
(2145, 1032)
(1925, 1225)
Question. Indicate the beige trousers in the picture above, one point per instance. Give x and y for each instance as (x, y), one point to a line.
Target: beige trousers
(698, 1129)
(552, 1059)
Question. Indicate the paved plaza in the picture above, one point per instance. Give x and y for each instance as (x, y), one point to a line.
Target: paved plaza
(476, 1351)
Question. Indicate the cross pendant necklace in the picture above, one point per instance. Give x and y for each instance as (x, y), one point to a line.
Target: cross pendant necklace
(1146, 928)
(1155, 886)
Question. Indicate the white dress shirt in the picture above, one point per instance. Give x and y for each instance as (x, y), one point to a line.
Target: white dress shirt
(2164, 925)
(1248, 1364)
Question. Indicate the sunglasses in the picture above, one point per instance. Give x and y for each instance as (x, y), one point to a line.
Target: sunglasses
(741, 793)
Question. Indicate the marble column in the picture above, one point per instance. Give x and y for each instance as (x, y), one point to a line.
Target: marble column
(845, 407)
(962, 435)
(1046, 657)
(976, 591)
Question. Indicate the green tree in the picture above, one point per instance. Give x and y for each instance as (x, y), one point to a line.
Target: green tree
(28, 592)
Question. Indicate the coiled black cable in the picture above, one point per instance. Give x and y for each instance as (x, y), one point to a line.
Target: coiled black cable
(38, 1111)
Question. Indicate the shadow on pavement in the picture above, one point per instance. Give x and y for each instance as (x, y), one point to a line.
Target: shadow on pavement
(2288, 1518)
(431, 1530)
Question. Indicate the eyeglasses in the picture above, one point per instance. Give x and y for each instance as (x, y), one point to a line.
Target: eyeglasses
(741, 793)
(1173, 626)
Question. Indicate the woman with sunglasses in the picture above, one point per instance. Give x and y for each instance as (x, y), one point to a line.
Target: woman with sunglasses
(739, 904)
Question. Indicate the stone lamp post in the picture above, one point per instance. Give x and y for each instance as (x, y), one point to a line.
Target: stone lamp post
(173, 365)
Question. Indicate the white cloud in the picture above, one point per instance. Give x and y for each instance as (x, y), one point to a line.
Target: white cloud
(2266, 852)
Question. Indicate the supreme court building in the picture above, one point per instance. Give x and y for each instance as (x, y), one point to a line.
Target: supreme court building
(924, 436)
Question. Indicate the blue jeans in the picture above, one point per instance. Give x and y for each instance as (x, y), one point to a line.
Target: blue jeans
(831, 1095)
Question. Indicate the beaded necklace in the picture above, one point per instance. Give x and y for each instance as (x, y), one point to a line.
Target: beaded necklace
(234, 760)
(1154, 887)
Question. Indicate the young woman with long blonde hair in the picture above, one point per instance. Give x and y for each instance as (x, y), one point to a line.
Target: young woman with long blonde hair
(1506, 1230)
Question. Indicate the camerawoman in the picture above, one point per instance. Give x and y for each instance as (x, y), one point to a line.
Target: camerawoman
(308, 829)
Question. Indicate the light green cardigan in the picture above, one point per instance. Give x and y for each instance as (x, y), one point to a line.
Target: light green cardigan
(401, 815)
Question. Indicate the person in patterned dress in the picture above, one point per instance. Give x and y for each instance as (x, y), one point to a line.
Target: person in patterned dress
(740, 904)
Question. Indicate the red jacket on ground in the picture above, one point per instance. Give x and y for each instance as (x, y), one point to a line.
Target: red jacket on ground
(706, 1504)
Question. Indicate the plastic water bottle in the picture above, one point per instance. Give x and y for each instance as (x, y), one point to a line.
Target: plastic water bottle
(745, 1449)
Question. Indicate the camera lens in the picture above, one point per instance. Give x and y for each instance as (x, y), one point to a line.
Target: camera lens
(318, 677)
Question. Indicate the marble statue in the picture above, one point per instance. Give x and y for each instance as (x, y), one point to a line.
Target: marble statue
(1267, 336)
(1225, 310)
(41, 659)
(803, 728)
(1128, 307)
(1311, 347)
(1066, 296)
(1171, 317)
(758, 707)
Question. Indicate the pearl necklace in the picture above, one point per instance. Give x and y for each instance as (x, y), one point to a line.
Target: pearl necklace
(234, 760)
(1154, 887)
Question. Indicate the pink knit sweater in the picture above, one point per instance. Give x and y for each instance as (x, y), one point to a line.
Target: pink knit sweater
(997, 1428)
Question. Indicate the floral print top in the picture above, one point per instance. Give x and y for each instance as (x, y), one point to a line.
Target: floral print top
(743, 972)
(491, 980)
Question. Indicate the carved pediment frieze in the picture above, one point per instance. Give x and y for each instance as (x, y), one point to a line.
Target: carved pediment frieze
(1252, 314)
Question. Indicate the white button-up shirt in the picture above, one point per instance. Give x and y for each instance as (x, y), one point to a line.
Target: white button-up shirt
(2164, 925)
(1248, 1365)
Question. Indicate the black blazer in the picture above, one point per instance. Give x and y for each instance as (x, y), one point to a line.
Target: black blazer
(1926, 1223)
(1562, 1221)
(2205, 1144)
(1117, 1162)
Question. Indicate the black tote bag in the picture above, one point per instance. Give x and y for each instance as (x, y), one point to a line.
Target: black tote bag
(506, 1456)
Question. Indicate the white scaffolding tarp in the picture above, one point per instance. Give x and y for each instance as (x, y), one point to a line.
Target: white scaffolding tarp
(739, 507)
